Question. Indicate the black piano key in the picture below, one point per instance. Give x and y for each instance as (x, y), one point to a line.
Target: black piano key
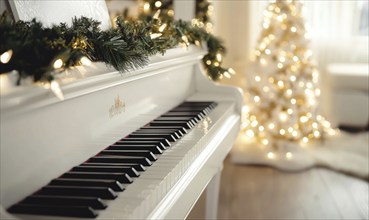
(171, 123)
(93, 202)
(141, 153)
(121, 159)
(181, 114)
(161, 142)
(138, 167)
(69, 211)
(149, 130)
(182, 129)
(121, 177)
(175, 134)
(122, 146)
(170, 137)
(123, 169)
(100, 192)
(113, 184)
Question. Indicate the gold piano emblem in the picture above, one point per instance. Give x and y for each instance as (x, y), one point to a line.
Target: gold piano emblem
(118, 107)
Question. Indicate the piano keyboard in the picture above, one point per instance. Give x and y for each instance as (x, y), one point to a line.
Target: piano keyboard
(88, 187)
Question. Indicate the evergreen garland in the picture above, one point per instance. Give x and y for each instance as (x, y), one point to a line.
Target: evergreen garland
(35, 50)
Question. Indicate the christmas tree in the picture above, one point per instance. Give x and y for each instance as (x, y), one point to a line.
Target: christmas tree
(282, 95)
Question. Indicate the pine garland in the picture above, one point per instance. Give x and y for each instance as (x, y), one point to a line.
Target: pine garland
(41, 52)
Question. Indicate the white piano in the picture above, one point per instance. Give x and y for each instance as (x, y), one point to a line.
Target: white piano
(42, 137)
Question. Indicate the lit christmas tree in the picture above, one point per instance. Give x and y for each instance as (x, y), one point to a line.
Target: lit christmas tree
(282, 95)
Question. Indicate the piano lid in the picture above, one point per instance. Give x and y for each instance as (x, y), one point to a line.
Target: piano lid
(85, 79)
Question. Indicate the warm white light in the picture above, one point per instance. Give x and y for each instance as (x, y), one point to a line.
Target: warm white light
(257, 99)
(305, 140)
(293, 101)
(254, 123)
(158, 4)
(293, 78)
(265, 141)
(250, 133)
(162, 27)
(282, 131)
(266, 89)
(156, 15)
(270, 155)
(280, 84)
(245, 109)
(261, 128)
(263, 61)
(290, 129)
(231, 71)
(289, 92)
(271, 126)
(309, 85)
(315, 125)
(6, 56)
(294, 133)
(219, 57)
(293, 29)
(283, 116)
(208, 62)
(317, 92)
(146, 6)
(316, 133)
(265, 25)
(185, 39)
(280, 65)
(257, 78)
(58, 64)
(55, 88)
(156, 35)
(170, 12)
(288, 155)
(303, 119)
(227, 75)
(295, 58)
(216, 64)
(282, 59)
(85, 61)
(267, 51)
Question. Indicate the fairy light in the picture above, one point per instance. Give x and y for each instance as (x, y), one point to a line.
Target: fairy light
(267, 51)
(257, 78)
(280, 84)
(58, 64)
(305, 140)
(85, 61)
(282, 131)
(270, 155)
(219, 57)
(265, 141)
(6, 56)
(171, 13)
(155, 35)
(316, 134)
(227, 75)
(156, 15)
(162, 27)
(146, 7)
(293, 78)
(261, 128)
(158, 4)
(263, 62)
(304, 119)
(271, 126)
(293, 101)
(254, 123)
(208, 62)
(293, 29)
(283, 116)
(250, 133)
(231, 71)
(257, 99)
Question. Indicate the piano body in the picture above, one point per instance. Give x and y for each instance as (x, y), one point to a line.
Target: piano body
(42, 137)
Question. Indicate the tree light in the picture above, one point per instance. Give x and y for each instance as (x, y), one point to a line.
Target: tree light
(265, 141)
(85, 61)
(6, 56)
(257, 78)
(250, 133)
(270, 155)
(271, 126)
(158, 4)
(303, 119)
(58, 64)
(146, 7)
(257, 99)
(288, 155)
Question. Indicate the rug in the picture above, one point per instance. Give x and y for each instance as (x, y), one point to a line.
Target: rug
(345, 152)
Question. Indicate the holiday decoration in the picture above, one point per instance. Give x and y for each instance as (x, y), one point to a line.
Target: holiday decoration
(41, 52)
(282, 93)
(213, 60)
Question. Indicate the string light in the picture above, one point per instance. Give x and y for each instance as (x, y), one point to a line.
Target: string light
(85, 61)
(162, 27)
(304, 119)
(58, 64)
(146, 7)
(250, 133)
(257, 99)
(265, 141)
(6, 56)
(155, 35)
(158, 4)
(270, 155)
(257, 78)
(288, 155)
(283, 116)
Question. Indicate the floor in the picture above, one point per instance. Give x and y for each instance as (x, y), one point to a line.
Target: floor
(257, 192)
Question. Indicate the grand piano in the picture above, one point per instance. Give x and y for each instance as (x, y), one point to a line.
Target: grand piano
(139, 145)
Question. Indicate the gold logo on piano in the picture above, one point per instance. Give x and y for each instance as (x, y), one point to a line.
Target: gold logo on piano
(118, 107)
